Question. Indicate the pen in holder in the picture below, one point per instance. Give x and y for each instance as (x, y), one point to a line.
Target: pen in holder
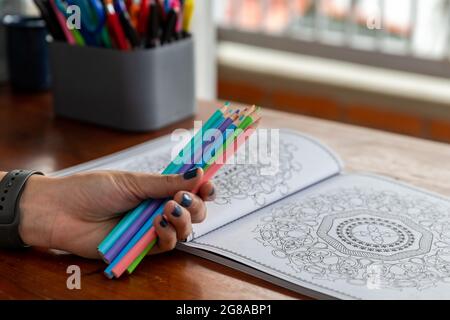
(137, 90)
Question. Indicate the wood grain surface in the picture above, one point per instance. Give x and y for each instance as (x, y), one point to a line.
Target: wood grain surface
(31, 137)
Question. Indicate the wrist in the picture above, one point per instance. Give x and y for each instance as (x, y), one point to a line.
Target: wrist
(35, 224)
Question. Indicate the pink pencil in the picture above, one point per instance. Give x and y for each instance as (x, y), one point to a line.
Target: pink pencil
(229, 152)
(151, 235)
(62, 21)
(134, 252)
(179, 26)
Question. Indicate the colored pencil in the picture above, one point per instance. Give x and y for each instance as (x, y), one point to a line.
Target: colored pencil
(138, 24)
(144, 13)
(226, 145)
(134, 236)
(187, 15)
(118, 269)
(175, 165)
(147, 239)
(115, 27)
(141, 218)
(134, 11)
(120, 228)
(62, 22)
(199, 152)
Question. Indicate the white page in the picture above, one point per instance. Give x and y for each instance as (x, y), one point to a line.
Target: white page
(350, 237)
(240, 188)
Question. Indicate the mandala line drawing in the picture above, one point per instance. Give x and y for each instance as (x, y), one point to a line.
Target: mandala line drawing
(362, 237)
(233, 181)
(242, 181)
(358, 234)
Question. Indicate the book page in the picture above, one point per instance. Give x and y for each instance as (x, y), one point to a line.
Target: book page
(240, 187)
(349, 237)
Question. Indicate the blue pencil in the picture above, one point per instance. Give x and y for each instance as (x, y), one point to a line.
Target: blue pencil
(149, 223)
(173, 167)
(141, 218)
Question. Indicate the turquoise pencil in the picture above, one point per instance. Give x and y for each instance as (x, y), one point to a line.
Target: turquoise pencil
(243, 123)
(140, 219)
(120, 228)
(110, 271)
(172, 168)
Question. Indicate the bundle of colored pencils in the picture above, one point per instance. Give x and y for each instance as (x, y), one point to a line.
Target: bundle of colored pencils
(134, 236)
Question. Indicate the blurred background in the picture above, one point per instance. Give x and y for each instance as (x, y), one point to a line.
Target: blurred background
(381, 64)
(375, 63)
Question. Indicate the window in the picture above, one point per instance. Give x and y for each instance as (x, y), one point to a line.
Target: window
(409, 35)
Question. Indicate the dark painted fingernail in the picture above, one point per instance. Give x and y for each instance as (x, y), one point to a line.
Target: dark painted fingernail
(213, 191)
(176, 212)
(163, 223)
(191, 174)
(186, 200)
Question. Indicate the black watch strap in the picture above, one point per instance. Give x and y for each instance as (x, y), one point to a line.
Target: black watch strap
(11, 188)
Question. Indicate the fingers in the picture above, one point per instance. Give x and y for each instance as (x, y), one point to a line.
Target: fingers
(144, 186)
(193, 204)
(176, 222)
(167, 235)
(188, 181)
(174, 225)
(207, 192)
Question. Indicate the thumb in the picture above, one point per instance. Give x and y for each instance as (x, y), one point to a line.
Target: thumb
(145, 186)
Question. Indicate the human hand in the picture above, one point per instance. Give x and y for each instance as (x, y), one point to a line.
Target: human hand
(75, 213)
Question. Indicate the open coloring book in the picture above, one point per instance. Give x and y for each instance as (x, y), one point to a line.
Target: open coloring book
(313, 229)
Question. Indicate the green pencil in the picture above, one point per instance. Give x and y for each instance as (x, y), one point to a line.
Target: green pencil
(172, 168)
(248, 120)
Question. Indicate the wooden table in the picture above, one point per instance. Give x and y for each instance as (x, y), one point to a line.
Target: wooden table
(32, 138)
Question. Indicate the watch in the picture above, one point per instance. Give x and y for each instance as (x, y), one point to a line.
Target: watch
(11, 188)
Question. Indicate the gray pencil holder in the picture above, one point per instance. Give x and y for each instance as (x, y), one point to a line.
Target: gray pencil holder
(138, 90)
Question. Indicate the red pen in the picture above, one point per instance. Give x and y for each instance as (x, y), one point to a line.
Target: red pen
(128, 3)
(144, 13)
(115, 27)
